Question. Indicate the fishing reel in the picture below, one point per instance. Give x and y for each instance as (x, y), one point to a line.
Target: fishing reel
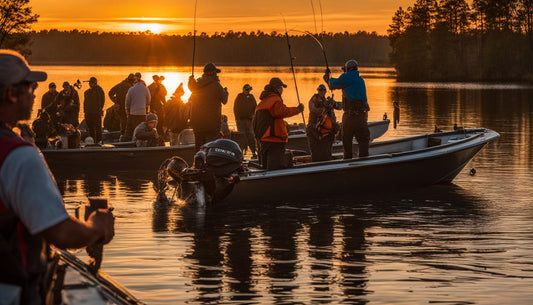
(77, 84)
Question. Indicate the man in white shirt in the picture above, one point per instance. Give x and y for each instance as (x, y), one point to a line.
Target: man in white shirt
(137, 102)
(32, 213)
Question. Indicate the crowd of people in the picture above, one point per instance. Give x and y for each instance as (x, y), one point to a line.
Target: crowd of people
(143, 114)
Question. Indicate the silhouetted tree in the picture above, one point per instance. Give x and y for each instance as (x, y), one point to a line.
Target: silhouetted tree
(16, 17)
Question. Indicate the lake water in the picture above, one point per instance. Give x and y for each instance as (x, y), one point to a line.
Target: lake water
(470, 242)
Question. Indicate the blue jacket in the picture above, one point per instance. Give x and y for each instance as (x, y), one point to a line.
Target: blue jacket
(352, 85)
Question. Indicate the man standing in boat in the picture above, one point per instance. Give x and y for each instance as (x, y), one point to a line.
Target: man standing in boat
(31, 207)
(137, 103)
(207, 98)
(68, 105)
(48, 101)
(117, 94)
(269, 127)
(244, 109)
(355, 106)
(93, 106)
(158, 94)
(322, 124)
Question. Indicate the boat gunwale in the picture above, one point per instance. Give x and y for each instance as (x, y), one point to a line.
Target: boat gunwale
(335, 165)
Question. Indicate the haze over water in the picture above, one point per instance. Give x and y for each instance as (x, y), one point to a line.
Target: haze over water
(469, 242)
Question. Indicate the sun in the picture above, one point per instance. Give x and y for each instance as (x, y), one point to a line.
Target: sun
(154, 28)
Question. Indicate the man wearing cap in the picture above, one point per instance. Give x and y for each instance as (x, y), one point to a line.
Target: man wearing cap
(48, 101)
(322, 124)
(269, 127)
(244, 109)
(31, 207)
(136, 105)
(207, 98)
(117, 94)
(145, 134)
(68, 105)
(93, 106)
(355, 106)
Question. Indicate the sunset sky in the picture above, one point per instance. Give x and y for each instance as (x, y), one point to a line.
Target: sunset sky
(176, 16)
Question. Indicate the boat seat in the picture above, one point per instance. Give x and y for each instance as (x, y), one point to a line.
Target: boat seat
(434, 141)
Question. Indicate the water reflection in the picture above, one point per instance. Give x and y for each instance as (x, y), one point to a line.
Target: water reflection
(455, 244)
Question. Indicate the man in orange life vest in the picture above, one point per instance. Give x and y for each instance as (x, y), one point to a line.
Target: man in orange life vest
(269, 128)
(322, 124)
(31, 207)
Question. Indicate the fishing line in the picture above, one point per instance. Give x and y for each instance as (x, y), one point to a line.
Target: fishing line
(314, 15)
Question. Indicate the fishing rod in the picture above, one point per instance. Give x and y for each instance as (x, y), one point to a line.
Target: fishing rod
(292, 68)
(314, 15)
(319, 44)
(194, 38)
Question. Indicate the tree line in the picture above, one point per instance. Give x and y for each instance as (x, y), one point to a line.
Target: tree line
(446, 40)
(256, 48)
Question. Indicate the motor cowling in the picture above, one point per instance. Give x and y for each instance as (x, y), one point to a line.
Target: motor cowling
(223, 157)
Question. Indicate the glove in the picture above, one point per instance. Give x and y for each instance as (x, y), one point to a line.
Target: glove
(326, 78)
(300, 108)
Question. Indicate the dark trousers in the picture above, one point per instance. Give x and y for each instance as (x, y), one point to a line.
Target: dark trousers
(246, 127)
(132, 122)
(94, 126)
(202, 137)
(123, 121)
(320, 147)
(355, 124)
(271, 154)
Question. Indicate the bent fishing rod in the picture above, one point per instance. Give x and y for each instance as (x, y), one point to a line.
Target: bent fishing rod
(194, 38)
(292, 69)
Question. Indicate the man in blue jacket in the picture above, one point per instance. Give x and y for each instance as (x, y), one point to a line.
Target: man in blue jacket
(355, 106)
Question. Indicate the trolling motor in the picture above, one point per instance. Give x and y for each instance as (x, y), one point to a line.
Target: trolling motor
(211, 177)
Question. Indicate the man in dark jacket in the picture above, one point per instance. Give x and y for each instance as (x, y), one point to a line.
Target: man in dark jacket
(244, 109)
(68, 105)
(207, 99)
(93, 106)
(117, 94)
(48, 101)
(158, 94)
(176, 114)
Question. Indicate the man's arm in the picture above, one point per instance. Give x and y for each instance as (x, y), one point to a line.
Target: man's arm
(280, 111)
(73, 233)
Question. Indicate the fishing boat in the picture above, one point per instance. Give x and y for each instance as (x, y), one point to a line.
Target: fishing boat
(125, 156)
(74, 283)
(407, 162)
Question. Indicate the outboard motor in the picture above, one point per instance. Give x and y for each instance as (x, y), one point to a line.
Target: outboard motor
(212, 176)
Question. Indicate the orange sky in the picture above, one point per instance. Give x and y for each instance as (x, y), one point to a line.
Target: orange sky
(176, 16)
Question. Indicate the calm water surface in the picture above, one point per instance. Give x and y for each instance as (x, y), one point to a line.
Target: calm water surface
(470, 242)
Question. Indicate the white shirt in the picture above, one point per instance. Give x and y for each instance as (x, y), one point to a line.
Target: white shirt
(137, 99)
(28, 189)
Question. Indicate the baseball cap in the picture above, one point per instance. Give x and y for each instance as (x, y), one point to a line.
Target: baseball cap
(276, 82)
(15, 69)
(350, 64)
(66, 84)
(151, 117)
(210, 67)
(321, 87)
(247, 87)
(93, 80)
(52, 85)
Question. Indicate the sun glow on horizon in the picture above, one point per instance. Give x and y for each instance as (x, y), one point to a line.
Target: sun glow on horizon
(154, 28)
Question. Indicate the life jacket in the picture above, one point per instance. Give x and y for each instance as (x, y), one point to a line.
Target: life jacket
(324, 124)
(22, 255)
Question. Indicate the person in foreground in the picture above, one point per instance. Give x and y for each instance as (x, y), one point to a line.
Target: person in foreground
(32, 213)
(322, 124)
(355, 106)
(145, 134)
(269, 127)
